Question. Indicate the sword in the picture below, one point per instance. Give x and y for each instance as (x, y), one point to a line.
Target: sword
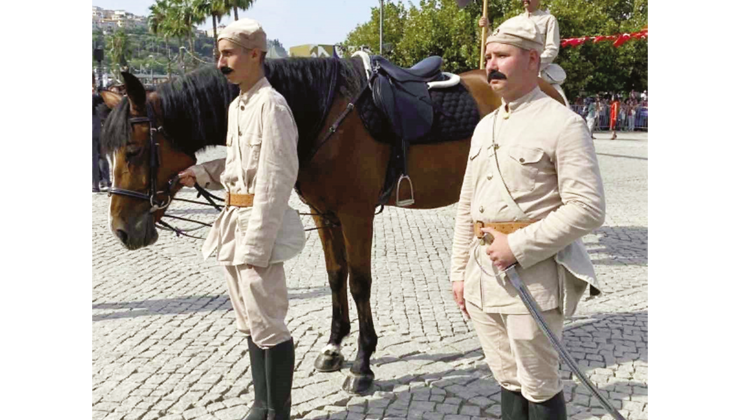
(536, 312)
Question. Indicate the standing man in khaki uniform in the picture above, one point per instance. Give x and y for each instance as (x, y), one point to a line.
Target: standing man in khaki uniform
(257, 230)
(533, 183)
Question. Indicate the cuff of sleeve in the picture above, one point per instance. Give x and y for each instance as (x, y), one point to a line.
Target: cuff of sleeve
(517, 244)
(257, 262)
(457, 277)
(201, 176)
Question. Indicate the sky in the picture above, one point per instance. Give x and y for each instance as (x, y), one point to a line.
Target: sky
(293, 22)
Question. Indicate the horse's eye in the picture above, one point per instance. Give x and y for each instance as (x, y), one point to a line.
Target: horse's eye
(132, 151)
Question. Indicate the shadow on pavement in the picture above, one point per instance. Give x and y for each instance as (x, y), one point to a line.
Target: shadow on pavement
(627, 245)
(187, 304)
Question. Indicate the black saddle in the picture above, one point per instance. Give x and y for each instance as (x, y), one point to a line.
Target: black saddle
(425, 70)
(403, 98)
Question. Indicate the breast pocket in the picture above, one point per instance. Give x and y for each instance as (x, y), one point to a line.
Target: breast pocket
(521, 165)
(252, 155)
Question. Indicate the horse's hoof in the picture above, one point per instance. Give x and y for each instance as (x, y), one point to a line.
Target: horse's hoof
(358, 384)
(329, 362)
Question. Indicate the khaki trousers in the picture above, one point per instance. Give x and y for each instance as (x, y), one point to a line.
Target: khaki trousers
(259, 297)
(518, 352)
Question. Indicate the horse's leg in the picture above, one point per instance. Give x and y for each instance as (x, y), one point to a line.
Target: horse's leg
(332, 240)
(358, 235)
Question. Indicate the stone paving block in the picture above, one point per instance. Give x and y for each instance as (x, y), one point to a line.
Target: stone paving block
(470, 410)
(232, 413)
(195, 412)
(447, 408)
(432, 416)
(422, 406)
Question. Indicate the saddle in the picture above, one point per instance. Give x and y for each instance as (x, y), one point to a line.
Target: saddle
(402, 96)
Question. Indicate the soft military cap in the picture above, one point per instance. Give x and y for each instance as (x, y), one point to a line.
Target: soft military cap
(245, 32)
(519, 31)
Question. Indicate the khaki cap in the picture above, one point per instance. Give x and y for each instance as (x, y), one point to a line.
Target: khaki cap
(519, 31)
(245, 32)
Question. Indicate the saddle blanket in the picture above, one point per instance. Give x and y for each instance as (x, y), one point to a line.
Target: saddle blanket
(455, 117)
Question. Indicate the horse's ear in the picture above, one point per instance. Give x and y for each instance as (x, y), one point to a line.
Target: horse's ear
(135, 91)
(111, 99)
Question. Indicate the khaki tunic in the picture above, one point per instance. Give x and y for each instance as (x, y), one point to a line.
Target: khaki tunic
(549, 164)
(261, 159)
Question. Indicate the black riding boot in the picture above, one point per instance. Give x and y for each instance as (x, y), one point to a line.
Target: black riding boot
(552, 409)
(513, 405)
(259, 382)
(279, 366)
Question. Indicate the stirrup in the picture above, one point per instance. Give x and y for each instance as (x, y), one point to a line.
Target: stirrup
(404, 203)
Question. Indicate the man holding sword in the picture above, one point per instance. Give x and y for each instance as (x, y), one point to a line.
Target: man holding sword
(530, 192)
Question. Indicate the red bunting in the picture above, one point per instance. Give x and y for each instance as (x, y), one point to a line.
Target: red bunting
(618, 40)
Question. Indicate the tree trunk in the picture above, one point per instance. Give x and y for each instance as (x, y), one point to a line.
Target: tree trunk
(236, 14)
(215, 40)
(192, 51)
(169, 60)
(182, 59)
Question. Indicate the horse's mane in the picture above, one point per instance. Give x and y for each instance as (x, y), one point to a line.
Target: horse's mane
(306, 83)
(195, 108)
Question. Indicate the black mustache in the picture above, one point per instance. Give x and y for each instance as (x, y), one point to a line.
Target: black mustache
(496, 75)
(226, 70)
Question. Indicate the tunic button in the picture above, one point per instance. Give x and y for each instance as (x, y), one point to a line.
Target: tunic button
(481, 209)
(495, 146)
(242, 107)
(521, 160)
(489, 176)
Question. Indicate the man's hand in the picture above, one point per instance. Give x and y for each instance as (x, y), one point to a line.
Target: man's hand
(458, 292)
(483, 22)
(187, 177)
(498, 251)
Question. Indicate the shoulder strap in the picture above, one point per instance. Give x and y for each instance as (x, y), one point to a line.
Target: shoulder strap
(493, 156)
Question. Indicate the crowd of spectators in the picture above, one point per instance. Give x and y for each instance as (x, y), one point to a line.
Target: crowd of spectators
(629, 114)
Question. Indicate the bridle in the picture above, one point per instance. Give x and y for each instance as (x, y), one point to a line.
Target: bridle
(154, 163)
(151, 195)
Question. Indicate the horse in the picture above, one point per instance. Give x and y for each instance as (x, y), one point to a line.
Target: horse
(151, 138)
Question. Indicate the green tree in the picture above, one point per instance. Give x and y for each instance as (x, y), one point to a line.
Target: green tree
(238, 4)
(440, 27)
(159, 25)
(215, 9)
(368, 33)
(599, 67)
(119, 51)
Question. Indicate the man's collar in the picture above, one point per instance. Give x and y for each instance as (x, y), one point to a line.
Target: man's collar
(245, 96)
(509, 107)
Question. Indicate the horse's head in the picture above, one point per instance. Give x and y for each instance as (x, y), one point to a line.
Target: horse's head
(145, 163)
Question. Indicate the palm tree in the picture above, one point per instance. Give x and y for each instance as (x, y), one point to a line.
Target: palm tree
(159, 26)
(239, 4)
(118, 51)
(216, 9)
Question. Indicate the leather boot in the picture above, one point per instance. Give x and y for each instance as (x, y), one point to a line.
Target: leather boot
(259, 382)
(552, 409)
(513, 405)
(279, 366)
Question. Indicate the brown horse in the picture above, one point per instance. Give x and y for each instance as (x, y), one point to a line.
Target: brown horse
(341, 182)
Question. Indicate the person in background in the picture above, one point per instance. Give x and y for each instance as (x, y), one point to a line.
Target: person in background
(613, 116)
(591, 116)
(101, 173)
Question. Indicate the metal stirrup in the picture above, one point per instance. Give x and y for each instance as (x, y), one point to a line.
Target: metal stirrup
(404, 203)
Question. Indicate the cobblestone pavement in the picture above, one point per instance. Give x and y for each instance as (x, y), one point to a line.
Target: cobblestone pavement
(165, 345)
